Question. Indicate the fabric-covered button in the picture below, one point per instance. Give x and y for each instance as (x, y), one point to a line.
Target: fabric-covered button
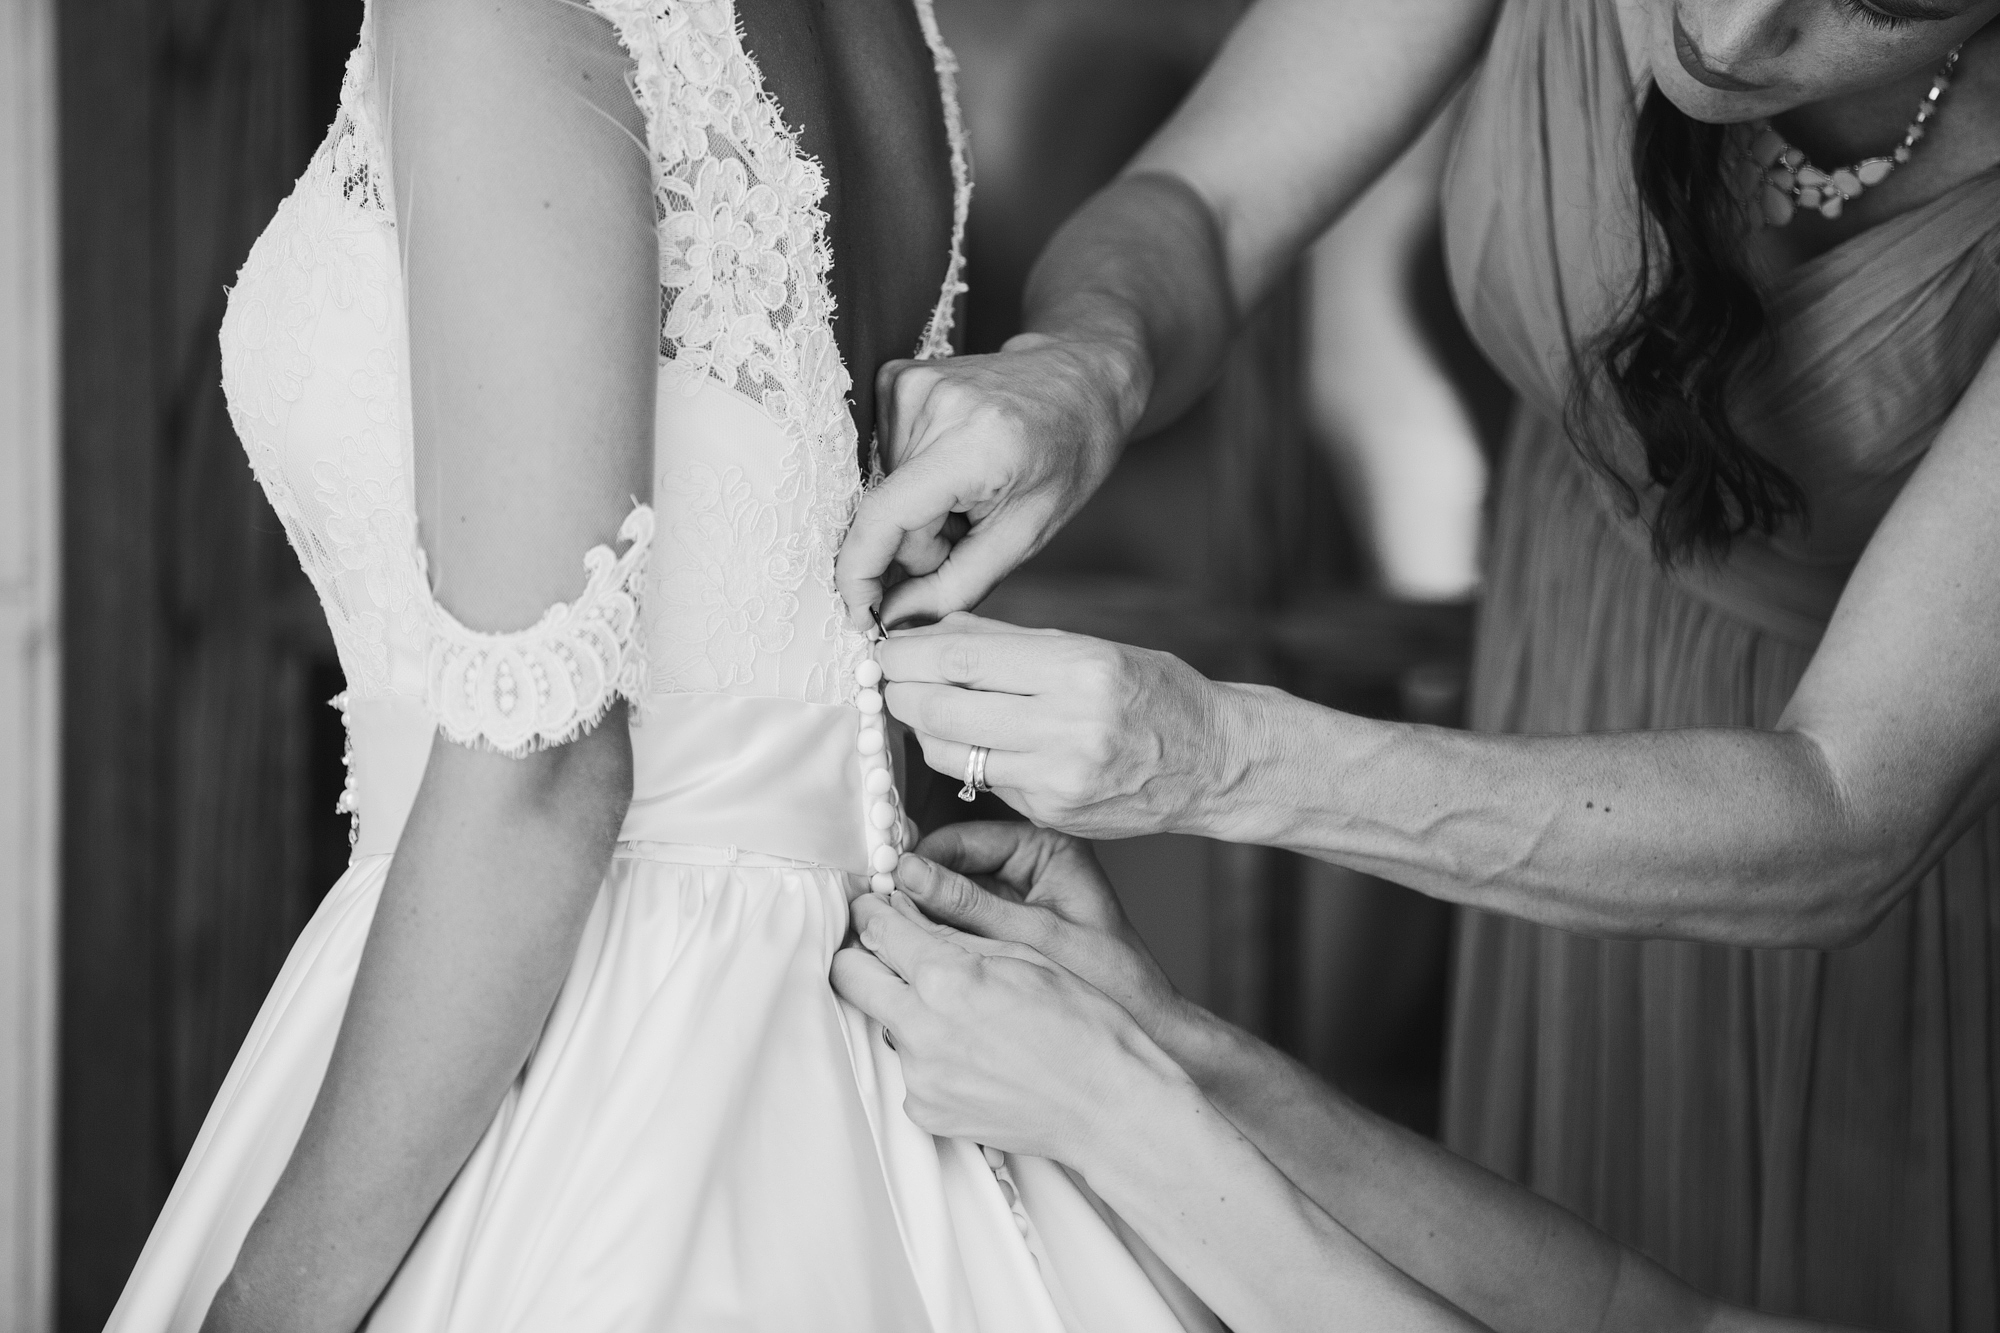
(878, 780)
(882, 883)
(868, 673)
(869, 742)
(883, 859)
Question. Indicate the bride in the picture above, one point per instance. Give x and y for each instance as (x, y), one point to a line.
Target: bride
(559, 1051)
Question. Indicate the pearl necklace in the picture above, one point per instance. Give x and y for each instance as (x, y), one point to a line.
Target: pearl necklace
(1778, 182)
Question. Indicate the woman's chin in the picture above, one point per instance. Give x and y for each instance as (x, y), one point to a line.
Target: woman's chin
(1716, 106)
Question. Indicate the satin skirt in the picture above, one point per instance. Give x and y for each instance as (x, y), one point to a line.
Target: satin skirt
(705, 1138)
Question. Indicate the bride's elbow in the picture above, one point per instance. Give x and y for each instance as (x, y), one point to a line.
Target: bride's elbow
(591, 776)
(582, 786)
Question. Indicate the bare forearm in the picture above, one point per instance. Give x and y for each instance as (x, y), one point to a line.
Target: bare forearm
(1726, 835)
(1506, 1257)
(476, 928)
(1137, 278)
(1302, 109)
(1155, 272)
(1260, 1253)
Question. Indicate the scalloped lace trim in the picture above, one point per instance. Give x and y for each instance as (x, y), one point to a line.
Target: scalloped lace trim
(937, 334)
(744, 301)
(544, 686)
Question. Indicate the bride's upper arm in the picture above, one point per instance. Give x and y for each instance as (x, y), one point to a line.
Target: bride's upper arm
(524, 213)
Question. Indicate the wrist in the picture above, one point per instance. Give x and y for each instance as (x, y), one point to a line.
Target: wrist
(1284, 770)
(1238, 752)
(1211, 1051)
(1119, 1133)
(1110, 362)
(1193, 1038)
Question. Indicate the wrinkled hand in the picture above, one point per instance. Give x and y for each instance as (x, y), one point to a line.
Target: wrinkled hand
(1026, 885)
(998, 1044)
(1087, 736)
(1014, 443)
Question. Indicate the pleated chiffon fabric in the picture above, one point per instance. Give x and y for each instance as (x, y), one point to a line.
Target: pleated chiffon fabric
(1815, 1133)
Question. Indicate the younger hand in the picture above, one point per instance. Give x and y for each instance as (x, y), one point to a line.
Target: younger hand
(998, 1044)
(1027, 885)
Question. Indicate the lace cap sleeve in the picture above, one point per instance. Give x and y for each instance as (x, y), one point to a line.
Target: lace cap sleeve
(529, 245)
(546, 685)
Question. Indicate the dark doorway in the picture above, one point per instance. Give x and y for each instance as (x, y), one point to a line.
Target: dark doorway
(198, 830)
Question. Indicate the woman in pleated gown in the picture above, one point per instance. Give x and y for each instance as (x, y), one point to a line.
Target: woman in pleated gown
(1811, 1132)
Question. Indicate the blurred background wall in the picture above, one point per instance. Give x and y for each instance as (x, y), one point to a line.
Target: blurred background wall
(1313, 524)
(200, 762)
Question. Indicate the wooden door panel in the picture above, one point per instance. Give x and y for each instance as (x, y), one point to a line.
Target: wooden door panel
(192, 762)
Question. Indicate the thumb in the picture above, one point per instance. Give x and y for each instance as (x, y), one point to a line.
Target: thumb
(978, 846)
(971, 568)
(912, 499)
(955, 900)
(864, 557)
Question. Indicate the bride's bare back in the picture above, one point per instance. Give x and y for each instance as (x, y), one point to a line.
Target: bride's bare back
(854, 79)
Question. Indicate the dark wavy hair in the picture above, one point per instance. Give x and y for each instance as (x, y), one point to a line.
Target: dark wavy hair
(1692, 325)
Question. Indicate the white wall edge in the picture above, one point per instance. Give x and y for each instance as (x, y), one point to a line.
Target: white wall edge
(29, 658)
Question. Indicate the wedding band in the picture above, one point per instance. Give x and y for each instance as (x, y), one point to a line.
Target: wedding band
(975, 773)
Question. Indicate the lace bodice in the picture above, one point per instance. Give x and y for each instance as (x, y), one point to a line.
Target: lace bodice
(755, 471)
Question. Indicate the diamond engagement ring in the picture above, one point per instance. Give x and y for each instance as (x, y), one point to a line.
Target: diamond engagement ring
(975, 773)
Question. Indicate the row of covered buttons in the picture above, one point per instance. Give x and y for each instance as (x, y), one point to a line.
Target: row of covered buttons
(996, 1162)
(878, 780)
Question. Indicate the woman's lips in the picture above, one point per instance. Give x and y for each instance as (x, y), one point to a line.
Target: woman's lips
(1702, 72)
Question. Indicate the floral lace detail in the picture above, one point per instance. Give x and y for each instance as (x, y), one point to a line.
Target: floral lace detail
(743, 291)
(724, 259)
(728, 591)
(313, 350)
(546, 685)
(344, 504)
(745, 303)
(349, 145)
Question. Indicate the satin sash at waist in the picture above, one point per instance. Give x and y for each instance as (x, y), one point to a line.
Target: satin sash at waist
(775, 776)
(769, 777)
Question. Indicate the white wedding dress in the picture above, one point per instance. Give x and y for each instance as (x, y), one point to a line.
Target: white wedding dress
(705, 1137)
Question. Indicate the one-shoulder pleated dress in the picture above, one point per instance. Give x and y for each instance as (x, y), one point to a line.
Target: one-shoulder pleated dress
(1810, 1132)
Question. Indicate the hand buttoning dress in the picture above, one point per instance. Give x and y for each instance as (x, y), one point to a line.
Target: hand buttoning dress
(705, 1137)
